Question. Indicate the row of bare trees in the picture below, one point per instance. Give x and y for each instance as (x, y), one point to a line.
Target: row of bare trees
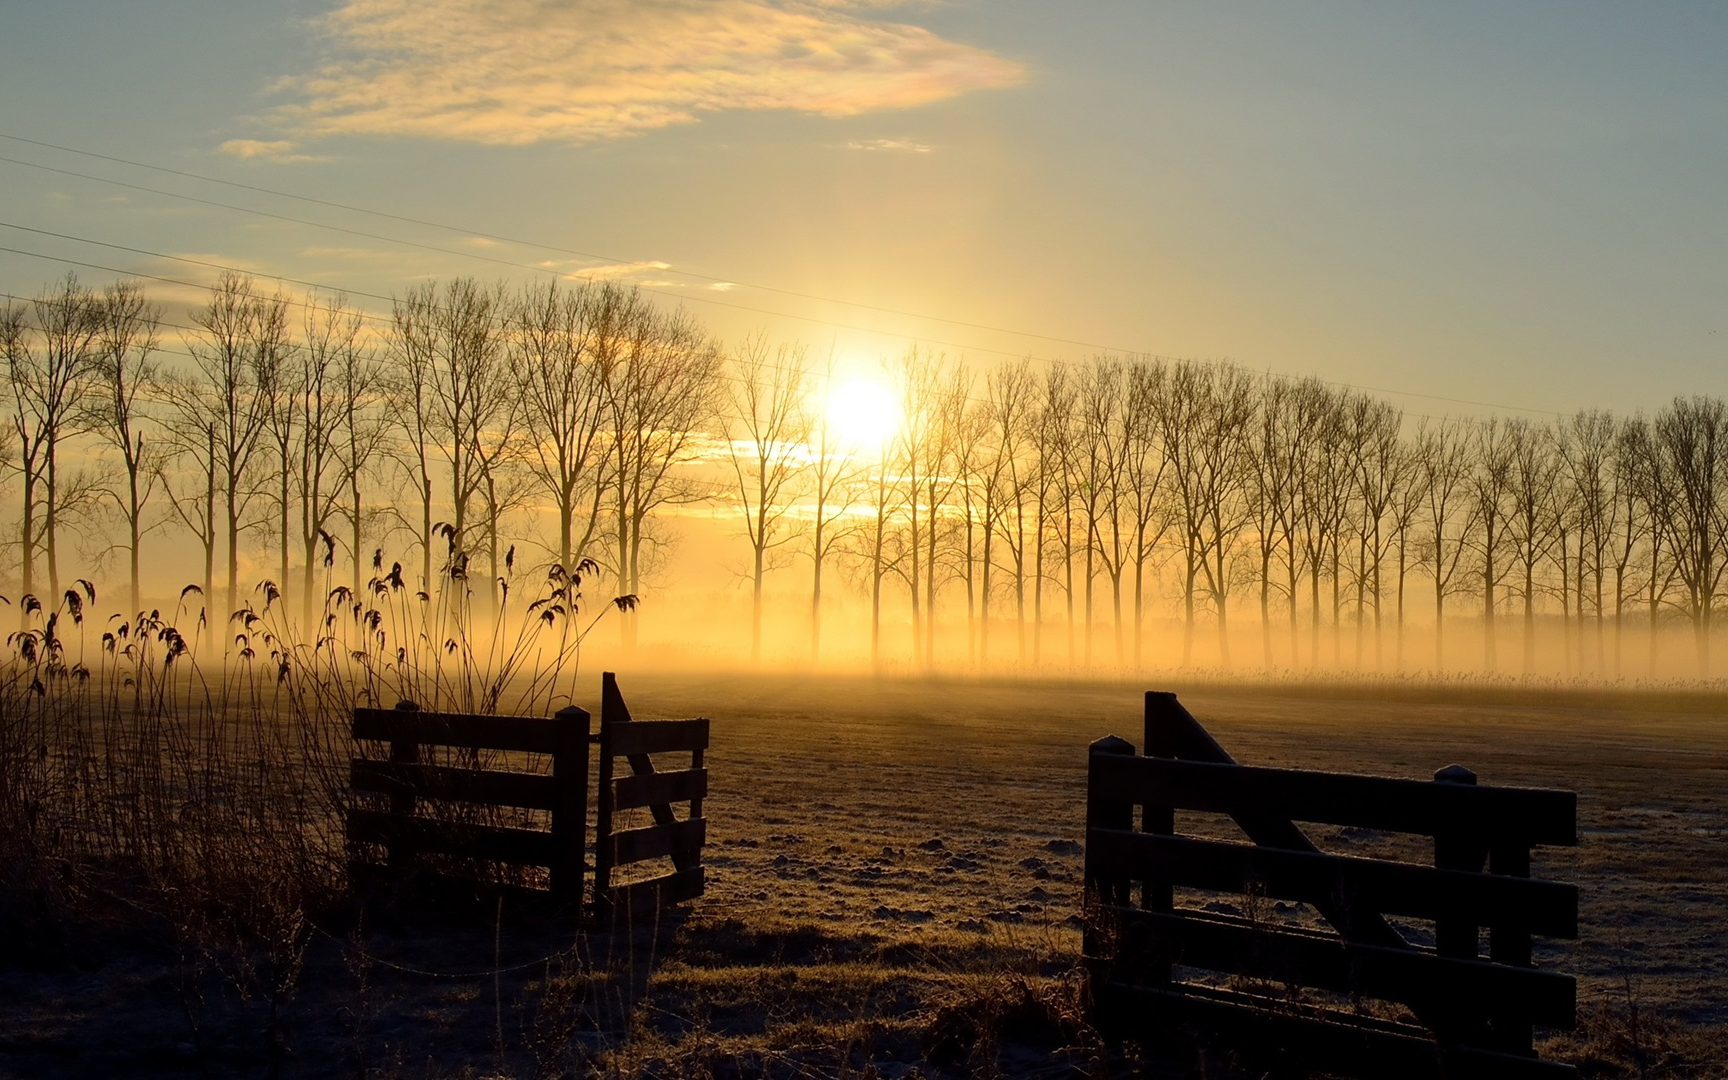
(1071, 507)
(1091, 497)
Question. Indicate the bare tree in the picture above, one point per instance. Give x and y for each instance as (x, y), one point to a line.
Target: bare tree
(1489, 484)
(1277, 449)
(1204, 429)
(766, 428)
(880, 555)
(332, 437)
(1630, 441)
(1008, 404)
(127, 376)
(192, 438)
(1689, 443)
(661, 392)
(1053, 491)
(361, 434)
(1101, 452)
(282, 381)
(452, 406)
(1532, 516)
(503, 488)
(1323, 502)
(1586, 450)
(920, 453)
(1652, 493)
(1146, 473)
(1380, 470)
(833, 472)
(411, 407)
(50, 350)
(221, 411)
(1443, 456)
(969, 428)
(559, 361)
(1406, 505)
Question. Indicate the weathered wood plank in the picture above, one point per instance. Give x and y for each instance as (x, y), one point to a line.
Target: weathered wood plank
(1325, 962)
(1544, 907)
(532, 734)
(657, 841)
(659, 736)
(648, 789)
(640, 897)
(459, 839)
(1497, 814)
(464, 785)
(1172, 732)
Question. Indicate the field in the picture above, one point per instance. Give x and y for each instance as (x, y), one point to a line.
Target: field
(894, 885)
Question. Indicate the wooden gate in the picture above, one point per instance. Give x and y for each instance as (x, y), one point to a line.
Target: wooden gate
(668, 837)
(456, 809)
(1357, 996)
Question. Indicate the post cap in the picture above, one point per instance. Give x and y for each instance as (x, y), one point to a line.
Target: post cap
(407, 706)
(1111, 744)
(1454, 774)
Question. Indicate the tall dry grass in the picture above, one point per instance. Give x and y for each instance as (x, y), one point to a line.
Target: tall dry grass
(188, 775)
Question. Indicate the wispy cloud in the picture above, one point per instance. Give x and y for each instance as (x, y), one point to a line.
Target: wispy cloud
(900, 146)
(278, 150)
(584, 270)
(524, 71)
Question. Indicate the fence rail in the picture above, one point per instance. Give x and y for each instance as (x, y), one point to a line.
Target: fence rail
(1297, 989)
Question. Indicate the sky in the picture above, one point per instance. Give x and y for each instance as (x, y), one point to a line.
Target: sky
(1467, 207)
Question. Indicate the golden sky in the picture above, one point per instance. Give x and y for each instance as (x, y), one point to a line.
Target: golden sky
(1512, 204)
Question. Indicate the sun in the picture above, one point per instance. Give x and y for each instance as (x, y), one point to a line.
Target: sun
(863, 414)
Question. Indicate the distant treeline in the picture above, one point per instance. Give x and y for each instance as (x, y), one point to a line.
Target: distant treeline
(563, 420)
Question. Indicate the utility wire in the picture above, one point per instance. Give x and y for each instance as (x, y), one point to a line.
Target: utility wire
(375, 317)
(554, 248)
(636, 262)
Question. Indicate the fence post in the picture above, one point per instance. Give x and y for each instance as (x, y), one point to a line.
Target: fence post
(1456, 851)
(570, 812)
(397, 854)
(1104, 884)
(1453, 937)
(1168, 726)
(1509, 943)
(1108, 882)
(610, 716)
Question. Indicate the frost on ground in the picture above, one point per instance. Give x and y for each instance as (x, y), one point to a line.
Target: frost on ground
(895, 886)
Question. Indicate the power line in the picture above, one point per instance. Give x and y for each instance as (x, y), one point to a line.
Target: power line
(373, 317)
(390, 299)
(292, 220)
(636, 262)
(562, 250)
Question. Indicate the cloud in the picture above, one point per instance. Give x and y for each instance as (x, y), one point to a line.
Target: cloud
(525, 71)
(278, 150)
(902, 146)
(616, 270)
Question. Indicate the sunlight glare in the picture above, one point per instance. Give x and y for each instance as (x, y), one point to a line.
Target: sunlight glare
(863, 413)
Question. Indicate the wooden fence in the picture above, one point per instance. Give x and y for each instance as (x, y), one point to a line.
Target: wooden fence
(447, 819)
(1354, 995)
